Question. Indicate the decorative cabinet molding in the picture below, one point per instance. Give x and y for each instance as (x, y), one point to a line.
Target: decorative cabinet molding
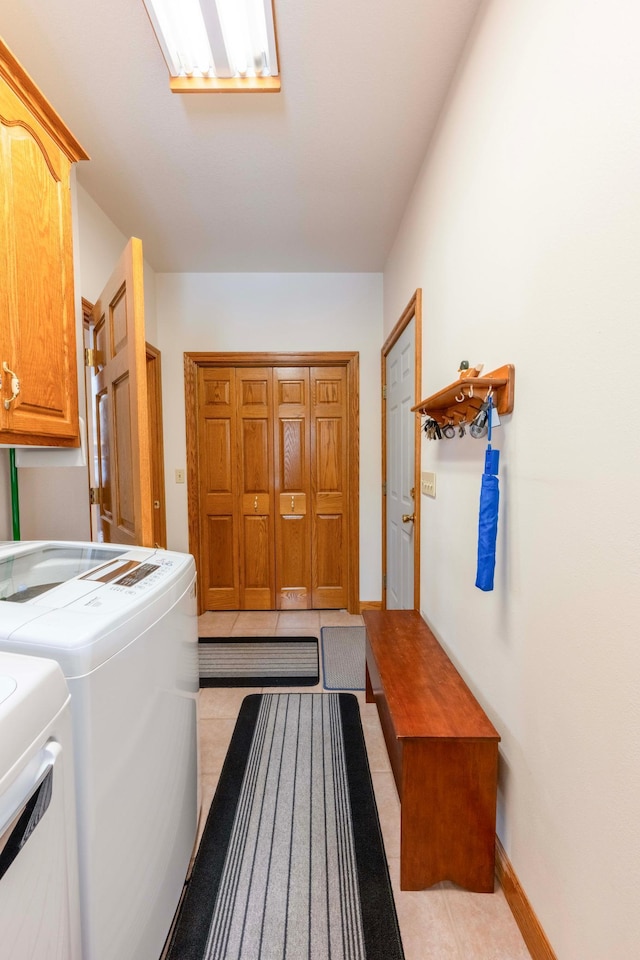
(38, 367)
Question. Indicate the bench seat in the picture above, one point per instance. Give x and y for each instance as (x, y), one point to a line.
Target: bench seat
(443, 751)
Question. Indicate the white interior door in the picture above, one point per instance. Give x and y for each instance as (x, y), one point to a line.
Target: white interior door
(400, 466)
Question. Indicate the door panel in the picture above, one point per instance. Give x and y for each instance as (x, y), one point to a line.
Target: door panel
(104, 460)
(120, 401)
(329, 482)
(400, 471)
(293, 564)
(220, 578)
(292, 487)
(123, 454)
(255, 487)
(220, 565)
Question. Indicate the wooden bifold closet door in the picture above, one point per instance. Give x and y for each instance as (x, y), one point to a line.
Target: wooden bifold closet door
(273, 481)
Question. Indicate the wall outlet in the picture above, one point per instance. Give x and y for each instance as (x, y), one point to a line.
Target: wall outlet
(179, 476)
(428, 484)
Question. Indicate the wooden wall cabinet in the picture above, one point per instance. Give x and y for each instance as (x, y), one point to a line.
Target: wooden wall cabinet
(37, 314)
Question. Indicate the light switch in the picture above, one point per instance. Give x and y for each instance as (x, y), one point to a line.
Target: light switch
(179, 476)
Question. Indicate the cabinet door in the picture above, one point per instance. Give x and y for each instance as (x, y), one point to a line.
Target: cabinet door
(38, 319)
(37, 316)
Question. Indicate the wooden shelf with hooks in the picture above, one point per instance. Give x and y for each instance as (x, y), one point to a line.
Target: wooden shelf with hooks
(460, 401)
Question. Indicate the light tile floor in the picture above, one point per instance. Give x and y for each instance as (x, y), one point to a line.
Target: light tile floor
(441, 923)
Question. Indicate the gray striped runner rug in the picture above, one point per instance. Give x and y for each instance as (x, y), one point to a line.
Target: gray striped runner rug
(258, 661)
(291, 865)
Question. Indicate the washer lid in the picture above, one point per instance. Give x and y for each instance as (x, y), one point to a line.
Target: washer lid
(86, 621)
(31, 570)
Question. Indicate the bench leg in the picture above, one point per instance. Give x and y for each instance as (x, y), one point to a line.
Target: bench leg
(368, 688)
(448, 813)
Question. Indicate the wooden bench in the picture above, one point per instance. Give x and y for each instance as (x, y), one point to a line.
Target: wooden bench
(443, 751)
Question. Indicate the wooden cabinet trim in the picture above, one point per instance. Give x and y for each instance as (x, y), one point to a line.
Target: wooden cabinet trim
(17, 78)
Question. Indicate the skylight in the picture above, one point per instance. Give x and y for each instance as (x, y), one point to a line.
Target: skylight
(217, 45)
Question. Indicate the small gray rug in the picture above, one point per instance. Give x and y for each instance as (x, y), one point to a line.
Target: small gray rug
(258, 661)
(343, 657)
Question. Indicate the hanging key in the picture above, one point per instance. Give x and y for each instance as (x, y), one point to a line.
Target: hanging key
(479, 424)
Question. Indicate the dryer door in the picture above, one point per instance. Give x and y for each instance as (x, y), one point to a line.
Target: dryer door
(35, 915)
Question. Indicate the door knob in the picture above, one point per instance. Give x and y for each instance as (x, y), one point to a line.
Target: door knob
(408, 517)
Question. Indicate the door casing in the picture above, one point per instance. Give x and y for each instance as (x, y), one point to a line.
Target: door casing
(413, 311)
(156, 449)
(349, 360)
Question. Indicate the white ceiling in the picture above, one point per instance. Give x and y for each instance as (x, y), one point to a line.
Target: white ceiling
(312, 179)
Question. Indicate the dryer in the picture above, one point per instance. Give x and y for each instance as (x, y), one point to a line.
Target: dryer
(122, 625)
(39, 905)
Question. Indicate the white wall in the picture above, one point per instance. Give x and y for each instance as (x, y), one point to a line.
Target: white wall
(100, 246)
(275, 312)
(524, 233)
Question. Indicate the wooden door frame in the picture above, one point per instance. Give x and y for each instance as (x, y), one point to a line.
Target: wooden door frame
(156, 433)
(413, 311)
(89, 433)
(350, 360)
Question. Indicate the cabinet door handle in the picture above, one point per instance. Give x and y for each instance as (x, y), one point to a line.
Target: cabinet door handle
(15, 385)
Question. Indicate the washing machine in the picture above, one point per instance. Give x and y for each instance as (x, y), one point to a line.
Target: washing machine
(122, 625)
(39, 905)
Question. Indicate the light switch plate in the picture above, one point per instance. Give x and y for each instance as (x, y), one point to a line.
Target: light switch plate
(179, 476)
(428, 484)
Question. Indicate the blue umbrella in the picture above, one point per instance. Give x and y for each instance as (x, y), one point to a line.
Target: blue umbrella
(488, 519)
